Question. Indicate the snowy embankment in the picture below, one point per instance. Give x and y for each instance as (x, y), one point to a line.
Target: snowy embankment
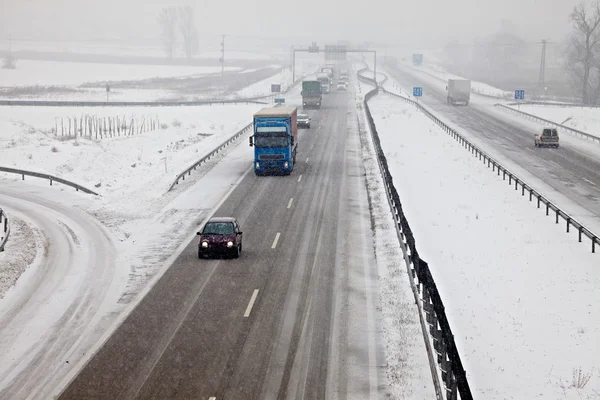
(581, 118)
(407, 369)
(520, 294)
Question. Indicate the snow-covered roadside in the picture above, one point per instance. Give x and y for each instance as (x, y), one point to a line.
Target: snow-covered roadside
(520, 294)
(19, 253)
(580, 118)
(408, 370)
(118, 164)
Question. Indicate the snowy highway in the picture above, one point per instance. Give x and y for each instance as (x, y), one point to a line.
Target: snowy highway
(572, 170)
(294, 317)
(44, 319)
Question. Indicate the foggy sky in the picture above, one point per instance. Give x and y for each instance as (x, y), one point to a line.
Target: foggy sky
(418, 22)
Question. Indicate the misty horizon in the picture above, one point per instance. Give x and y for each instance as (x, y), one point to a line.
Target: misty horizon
(417, 24)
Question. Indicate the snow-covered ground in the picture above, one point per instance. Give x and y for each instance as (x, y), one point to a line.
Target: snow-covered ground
(120, 163)
(580, 118)
(44, 73)
(520, 294)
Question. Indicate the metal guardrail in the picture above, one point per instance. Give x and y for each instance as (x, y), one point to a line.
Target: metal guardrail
(512, 178)
(447, 358)
(207, 157)
(4, 229)
(548, 122)
(52, 178)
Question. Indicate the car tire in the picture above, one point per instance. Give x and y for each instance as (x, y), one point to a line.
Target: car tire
(236, 252)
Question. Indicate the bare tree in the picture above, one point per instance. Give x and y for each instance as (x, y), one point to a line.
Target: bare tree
(168, 24)
(188, 30)
(583, 46)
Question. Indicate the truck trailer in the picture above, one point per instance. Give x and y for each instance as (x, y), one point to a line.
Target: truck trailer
(459, 91)
(275, 140)
(311, 94)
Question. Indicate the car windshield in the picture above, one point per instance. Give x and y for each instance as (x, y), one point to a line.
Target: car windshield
(302, 116)
(218, 228)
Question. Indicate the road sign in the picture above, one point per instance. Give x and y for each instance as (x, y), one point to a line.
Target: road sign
(519, 95)
(417, 91)
(279, 100)
(275, 88)
(417, 59)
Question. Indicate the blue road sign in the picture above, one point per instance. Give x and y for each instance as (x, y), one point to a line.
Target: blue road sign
(417, 91)
(519, 95)
(417, 59)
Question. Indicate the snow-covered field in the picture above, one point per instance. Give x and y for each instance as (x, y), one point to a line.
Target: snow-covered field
(580, 118)
(119, 163)
(521, 294)
(46, 73)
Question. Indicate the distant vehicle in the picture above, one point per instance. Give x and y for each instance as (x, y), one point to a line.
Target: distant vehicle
(459, 91)
(325, 82)
(341, 86)
(275, 140)
(548, 137)
(343, 77)
(303, 121)
(220, 236)
(311, 94)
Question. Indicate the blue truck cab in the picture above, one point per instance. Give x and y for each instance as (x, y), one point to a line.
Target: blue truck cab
(275, 140)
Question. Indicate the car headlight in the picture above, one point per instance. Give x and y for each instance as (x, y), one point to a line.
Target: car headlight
(229, 244)
(205, 244)
(286, 164)
(257, 165)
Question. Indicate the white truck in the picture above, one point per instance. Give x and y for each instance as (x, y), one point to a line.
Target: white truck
(459, 91)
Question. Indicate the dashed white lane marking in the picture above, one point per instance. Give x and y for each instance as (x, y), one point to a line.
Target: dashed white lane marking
(300, 178)
(276, 240)
(290, 203)
(212, 398)
(251, 303)
(307, 159)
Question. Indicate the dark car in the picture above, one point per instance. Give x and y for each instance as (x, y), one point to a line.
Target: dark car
(221, 236)
(303, 121)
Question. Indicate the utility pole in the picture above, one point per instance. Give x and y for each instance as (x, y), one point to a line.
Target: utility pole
(542, 78)
(222, 55)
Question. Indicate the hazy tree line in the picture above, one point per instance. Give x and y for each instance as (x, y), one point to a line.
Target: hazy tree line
(583, 51)
(178, 22)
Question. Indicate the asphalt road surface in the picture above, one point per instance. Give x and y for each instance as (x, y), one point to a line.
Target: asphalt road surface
(568, 170)
(294, 317)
